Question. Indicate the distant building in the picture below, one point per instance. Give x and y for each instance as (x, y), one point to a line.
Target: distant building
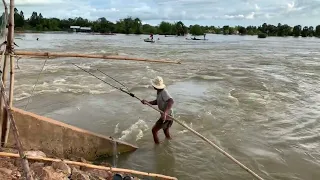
(80, 29)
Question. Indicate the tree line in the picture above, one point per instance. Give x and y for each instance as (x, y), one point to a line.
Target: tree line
(129, 25)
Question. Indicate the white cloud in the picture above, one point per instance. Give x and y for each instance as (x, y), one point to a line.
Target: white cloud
(290, 6)
(250, 16)
(257, 7)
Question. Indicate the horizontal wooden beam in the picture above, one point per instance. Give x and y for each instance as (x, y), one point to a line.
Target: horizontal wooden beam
(120, 170)
(55, 54)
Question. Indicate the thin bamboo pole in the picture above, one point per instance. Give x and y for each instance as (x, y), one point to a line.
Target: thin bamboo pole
(7, 124)
(120, 170)
(54, 54)
(3, 57)
(3, 112)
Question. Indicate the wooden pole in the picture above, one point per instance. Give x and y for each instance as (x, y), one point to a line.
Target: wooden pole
(4, 118)
(120, 170)
(7, 125)
(3, 57)
(54, 54)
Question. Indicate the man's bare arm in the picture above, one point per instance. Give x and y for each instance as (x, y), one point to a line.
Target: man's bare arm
(169, 105)
(154, 102)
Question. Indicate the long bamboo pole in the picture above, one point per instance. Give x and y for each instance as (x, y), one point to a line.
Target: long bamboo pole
(4, 119)
(123, 58)
(7, 125)
(3, 57)
(5, 68)
(120, 170)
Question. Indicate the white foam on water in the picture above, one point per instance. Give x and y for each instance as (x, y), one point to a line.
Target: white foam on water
(232, 97)
(59, 81)
(140, 135)
(116, 129)
(135, 129)
(207, 77)
(21, 96)
(185, 130)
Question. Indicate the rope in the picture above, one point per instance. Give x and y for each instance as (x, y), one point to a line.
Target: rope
(187, 127)
(34, 86)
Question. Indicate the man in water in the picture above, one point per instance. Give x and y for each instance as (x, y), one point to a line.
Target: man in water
(164, 102)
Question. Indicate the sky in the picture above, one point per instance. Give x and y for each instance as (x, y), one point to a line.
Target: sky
(202, 12)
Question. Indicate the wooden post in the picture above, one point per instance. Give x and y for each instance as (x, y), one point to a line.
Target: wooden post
(3, 116)
(9, 51)
(6, 125)
(4, 64)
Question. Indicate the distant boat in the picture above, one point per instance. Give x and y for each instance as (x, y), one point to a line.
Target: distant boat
(196, 39)
(149, 40)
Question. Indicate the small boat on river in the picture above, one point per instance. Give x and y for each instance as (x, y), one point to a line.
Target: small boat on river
(149, 40)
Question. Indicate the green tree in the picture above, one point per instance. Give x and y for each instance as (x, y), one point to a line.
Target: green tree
(196, 30)
(317, 31)
(18, 19)
(180, 29)
(242, 30)
(305, 31)
(311, 31)
(296, 31)
(165, 28)
(137, 26)
(225, 30)
(147, 28)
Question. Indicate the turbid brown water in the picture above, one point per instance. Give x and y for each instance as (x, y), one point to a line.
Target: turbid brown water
(256, 98)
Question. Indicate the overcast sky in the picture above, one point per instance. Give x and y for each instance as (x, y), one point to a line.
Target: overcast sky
(203, 12)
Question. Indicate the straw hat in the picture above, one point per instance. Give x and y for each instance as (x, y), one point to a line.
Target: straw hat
(158, 83)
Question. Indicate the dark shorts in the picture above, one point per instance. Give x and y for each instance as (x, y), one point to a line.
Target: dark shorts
(164, 125)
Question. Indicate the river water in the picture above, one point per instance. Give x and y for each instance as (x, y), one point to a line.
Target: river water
(258, 99)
